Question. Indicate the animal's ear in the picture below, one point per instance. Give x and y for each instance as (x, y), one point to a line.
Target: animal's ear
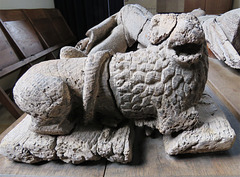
(161, 26)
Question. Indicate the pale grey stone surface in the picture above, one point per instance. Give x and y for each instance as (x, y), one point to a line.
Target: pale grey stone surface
(158, 86)
(198, 12)
(92, 75)
(21, 144)
(213, 133)
(85, 143)
(99, 32)
(53, 86)
(45, 92)
(93, 142)
(115, 41)
(82, 44)
(162, 82)
(223, 35)
(161, 26)
(134, 17)
(230, 24)
(71, 52)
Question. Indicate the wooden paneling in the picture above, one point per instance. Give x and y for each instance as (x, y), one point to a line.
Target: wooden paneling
(218, 6)
(32, 58)
(210, 6)
(44, 26)
(25, 37)
(225, 82)
(21, 32)
(8, 55)
(11, 107)
(190, 5)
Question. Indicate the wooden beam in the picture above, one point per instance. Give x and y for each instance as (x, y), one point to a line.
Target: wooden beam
(9, 105)
(26, 61)
(12, 42)
(42, 39)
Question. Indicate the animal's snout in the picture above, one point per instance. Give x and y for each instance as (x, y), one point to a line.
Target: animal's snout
(187, 39)
(183, 34)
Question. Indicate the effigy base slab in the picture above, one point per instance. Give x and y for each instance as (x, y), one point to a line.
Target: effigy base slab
(92, 142)
(214, 133)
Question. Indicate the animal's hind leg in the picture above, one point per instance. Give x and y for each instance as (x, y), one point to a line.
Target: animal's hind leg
(47, 99)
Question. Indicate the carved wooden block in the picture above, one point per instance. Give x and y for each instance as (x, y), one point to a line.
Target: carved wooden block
(24, 145)
(101, 91)
(93, 142)
(213, 133)
(223, 35)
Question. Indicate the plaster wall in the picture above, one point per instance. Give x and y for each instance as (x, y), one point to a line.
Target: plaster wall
(26, 4)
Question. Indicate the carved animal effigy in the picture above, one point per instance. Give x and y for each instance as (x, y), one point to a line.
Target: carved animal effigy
(163, 82)
(91, 96)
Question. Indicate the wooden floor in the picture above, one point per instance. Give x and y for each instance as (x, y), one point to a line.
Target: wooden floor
(149, 159)
(225, 82)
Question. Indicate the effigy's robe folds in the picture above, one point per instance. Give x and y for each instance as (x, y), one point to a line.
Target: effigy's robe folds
(85, 105)
(223, 36)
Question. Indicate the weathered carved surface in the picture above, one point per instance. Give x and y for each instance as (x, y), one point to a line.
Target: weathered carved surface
(85, 143)
(21, 144)
(116, 144)
(44, 93)
(163, 82)
(223, 35)
(115, 41)
(93, 142)
(92, 74)
(71, 52)
(100, 32)
(198, 12)
(79, 146)
(59, 83)
(96, 89)
(214, 132)
(116, 33)
(230, 24)
(161, 27)
(134, 18)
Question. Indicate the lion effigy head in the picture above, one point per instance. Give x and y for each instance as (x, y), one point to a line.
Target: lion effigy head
(183, 33)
